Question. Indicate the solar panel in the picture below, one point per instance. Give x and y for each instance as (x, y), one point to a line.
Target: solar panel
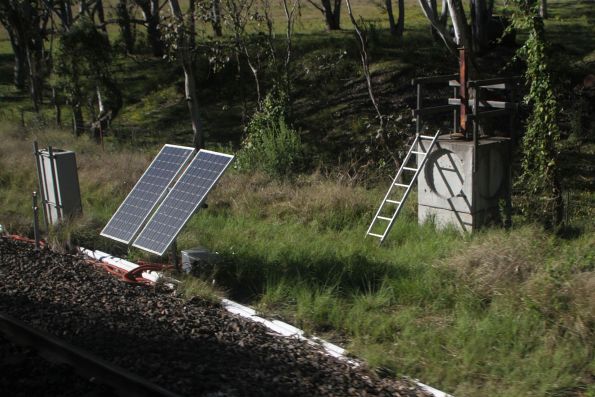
(143, 197)
(182, 201)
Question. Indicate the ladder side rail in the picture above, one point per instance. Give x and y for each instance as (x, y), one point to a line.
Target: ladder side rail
(408, 190)
(392, 186)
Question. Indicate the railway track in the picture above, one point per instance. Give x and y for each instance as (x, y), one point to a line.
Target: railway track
(121, 381)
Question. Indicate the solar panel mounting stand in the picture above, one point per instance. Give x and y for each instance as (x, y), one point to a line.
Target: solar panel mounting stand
(398, 192)
(174, 255)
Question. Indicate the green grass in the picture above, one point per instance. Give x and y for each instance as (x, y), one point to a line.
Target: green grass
(494, 313)
(407, 307)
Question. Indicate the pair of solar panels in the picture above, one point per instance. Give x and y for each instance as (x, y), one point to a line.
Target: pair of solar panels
(182, 200)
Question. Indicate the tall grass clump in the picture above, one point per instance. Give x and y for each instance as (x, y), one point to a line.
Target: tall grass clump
(105, 175)
(271, 145)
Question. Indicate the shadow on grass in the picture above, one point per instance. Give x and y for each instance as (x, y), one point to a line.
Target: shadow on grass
(245, 277)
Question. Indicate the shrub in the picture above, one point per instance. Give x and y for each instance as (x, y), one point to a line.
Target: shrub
(271, 144)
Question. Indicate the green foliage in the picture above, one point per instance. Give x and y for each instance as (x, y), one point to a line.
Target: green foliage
(83, 58)
(271, 145)
(192, 288)
(539, 182)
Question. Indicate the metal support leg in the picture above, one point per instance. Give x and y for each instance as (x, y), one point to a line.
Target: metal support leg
(35, 221)
(174, 256)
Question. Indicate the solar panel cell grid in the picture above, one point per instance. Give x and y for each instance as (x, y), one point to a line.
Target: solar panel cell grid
(182, 201)
(146, 193)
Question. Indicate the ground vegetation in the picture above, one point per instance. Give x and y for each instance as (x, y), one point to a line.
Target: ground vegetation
(499, 312)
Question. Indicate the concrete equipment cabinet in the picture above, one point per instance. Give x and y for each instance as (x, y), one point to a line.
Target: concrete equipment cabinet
(466, 179)
(450, 193)
(58, 184)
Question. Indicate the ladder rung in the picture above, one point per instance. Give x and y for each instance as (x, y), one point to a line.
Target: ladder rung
(401, 184)
(414, 152)
(409, 169)
(384, 218)
(393, 201)
(426, 137)
(376, 235)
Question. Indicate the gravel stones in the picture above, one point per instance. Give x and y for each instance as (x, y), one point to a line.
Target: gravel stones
(191, 347)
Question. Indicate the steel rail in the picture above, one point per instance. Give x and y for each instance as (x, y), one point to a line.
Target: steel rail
(86, 364)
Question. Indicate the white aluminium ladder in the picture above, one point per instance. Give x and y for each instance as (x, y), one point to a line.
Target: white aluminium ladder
(397, 192)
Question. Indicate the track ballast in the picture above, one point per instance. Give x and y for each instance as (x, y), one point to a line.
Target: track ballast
(194, 348)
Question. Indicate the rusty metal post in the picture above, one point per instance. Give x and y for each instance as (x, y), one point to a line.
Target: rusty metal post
(419, 104)
(463, 90)
(455, 112)
(477, 93)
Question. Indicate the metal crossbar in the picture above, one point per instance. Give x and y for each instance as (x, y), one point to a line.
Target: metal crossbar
(395, 196)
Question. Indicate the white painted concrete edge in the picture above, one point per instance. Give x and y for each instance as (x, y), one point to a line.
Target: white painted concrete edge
(277, 326)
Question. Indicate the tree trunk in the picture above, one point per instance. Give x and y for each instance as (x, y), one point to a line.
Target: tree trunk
(391, 18)
(332, 15)
(153, 30)
(35, 79)
(78, 123)
(57, 107)
(216, 18)
(189, 79)
(124, 23)
(190, 91)
(191, 22)
(150, 10)
(396, 29)
(459, 23)
(83, 7)
(443, 13)
(440, 28)
(401, 20)
(101, 15)
(20, 62)
(433, 30)
(26, 22)
(543, 9)
(480, 18)
(290, 17)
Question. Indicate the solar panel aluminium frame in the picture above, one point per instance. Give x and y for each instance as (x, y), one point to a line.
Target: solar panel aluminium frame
(190, 156)
(196, 206)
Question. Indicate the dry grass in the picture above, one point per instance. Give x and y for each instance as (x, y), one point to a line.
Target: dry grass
(581, 291)
(104, 176)
(566, 301)
(304, 200)
(533, 269)
(118, 171)
(500, 260)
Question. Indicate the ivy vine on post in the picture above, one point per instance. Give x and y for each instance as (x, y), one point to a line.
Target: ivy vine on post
(539, 181)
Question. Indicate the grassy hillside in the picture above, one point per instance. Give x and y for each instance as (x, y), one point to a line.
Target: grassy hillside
(498, 313)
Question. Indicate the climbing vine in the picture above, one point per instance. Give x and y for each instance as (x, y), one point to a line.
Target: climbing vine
(539, 181)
